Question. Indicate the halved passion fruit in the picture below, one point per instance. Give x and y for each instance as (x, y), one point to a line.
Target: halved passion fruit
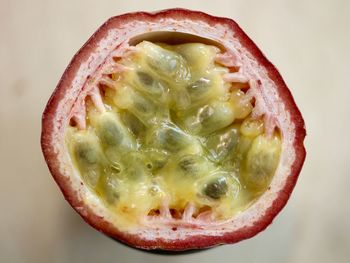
(172, 131)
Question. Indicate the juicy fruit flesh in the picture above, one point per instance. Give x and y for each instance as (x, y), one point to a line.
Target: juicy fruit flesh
(173, 135)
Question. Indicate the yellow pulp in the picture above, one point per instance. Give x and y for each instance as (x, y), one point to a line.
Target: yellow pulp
(173, 133)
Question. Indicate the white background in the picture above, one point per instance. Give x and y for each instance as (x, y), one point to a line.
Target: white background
(308, 41)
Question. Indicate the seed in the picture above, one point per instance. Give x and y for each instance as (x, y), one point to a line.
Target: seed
(111, 188)
(187, 164)
(212, 117)
(181, 99)
(252, 127)
(193, 165)
(262, 160)
(169, 138)
(206, 113)
(155, 88)
(242, 107)
(86, 153)
(198, 56)
(221, 145)
(113, 135)
(145, 78)
(173, 140)
(166, 63)
(133, 123)
(216, 188)
(88, 157)
(135, 165)
(143, 108)
(199, 87)
(109, 133)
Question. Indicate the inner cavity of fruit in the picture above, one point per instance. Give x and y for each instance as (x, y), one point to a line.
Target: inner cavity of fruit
(169, 134)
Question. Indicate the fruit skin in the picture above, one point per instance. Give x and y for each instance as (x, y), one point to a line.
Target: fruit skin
(53, 159)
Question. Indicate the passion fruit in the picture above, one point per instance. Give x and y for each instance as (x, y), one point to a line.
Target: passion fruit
(171, 130)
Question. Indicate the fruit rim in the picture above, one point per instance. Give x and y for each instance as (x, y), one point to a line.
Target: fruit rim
(193, 242)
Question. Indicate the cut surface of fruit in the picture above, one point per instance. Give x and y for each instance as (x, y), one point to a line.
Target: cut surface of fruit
(175, 135)
(206, 153)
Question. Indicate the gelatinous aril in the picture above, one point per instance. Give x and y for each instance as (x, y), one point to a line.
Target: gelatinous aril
(171, 130)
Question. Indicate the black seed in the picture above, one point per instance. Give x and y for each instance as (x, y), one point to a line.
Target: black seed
(216, 188)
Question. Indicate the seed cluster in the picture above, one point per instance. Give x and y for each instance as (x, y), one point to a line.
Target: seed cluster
(174, 133)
